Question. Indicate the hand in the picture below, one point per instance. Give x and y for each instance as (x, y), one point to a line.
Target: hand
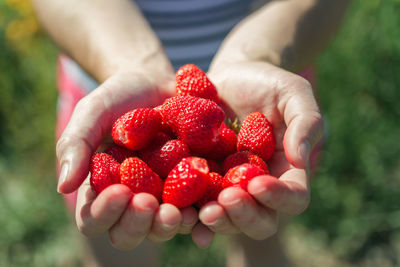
(288, 102)
(128, 219)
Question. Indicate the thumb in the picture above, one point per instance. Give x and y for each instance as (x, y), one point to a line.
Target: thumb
(304, 126)
(92, 119)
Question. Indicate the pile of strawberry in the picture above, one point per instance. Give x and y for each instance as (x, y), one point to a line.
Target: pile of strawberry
(182, 152)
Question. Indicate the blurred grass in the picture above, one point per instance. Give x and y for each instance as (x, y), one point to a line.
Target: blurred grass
(354, 216)
(356, 197)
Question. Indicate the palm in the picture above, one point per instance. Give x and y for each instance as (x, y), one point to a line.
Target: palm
(257, 87)
(287, 101)
(128, 218)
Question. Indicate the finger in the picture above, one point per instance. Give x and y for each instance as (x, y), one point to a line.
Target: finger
(289, 194)
(214, 217)
(92, 119)
(135, 223)
(304, 123)
(202, 236)
(95, 215)
(189, 220)
(166, 223)
(255, 221)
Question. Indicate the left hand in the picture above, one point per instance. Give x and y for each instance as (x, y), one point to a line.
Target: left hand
(287, 101)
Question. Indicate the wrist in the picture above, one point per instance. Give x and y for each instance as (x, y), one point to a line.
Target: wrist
(222, 59)
(152, 63)
(236, 49)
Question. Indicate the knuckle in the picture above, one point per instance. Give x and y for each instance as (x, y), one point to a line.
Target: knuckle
(163, 237)
(69, 142)
(317, 117)
(157, 237)
(184, 230)
(122, 244)
(303, 202)
(88, 230)
(90, 103)
(62, 144)
(251, 220)
(133, 233)
(266, 232)
(226, 229)
(84, 102)
(300, 83)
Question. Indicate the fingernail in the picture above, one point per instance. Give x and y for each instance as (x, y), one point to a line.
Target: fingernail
(211, 214)
(232, 201)
(304, 151)
(168, 222)
(63, 175)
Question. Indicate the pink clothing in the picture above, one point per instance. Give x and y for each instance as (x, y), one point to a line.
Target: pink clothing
(69, 95)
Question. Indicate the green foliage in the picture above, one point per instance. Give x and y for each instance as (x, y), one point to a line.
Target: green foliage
(35, 230)
(181, 252)
(356, 196)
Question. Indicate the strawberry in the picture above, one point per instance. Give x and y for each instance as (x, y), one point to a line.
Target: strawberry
(119, 153)
(186, 183)
(241, 175)
(257, 136)
(226, 143)
(213, 190)
(136, 128)
(140, 178)
(195, 120)
(214, 166)
(160, 139)
(164, 127)
(104, 171)
(162, 159)
(242, 157)
(191, 80)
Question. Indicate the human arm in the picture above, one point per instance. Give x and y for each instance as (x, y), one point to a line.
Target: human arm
(289, 34)
(103, 36)
(249, 73)
(112, 41)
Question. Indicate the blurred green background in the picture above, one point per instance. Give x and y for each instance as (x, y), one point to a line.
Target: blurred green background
(354, 217)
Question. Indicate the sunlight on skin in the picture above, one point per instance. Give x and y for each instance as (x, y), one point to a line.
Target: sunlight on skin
(287, 101)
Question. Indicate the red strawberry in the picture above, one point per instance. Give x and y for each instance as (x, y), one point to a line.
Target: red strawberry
(195, 120)
(160, 139)
(140, 178)
(186, 183)
(257, 136)
(162, 159)
(214, 166)
(213, 190)
(164, 127)
(241, 175)
(136, 128)
(226, 143)
(242, 157)
(119, 153)
(104, 171)
(191, 80)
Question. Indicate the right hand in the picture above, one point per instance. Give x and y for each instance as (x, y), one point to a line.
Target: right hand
(128, 218)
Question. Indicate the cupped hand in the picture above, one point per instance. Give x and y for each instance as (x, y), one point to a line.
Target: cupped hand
(288, 102)
(128, 218)
(95, 114)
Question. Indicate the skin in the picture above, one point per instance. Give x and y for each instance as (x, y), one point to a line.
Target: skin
(287, 101)
(249, 72)
(120, 50)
